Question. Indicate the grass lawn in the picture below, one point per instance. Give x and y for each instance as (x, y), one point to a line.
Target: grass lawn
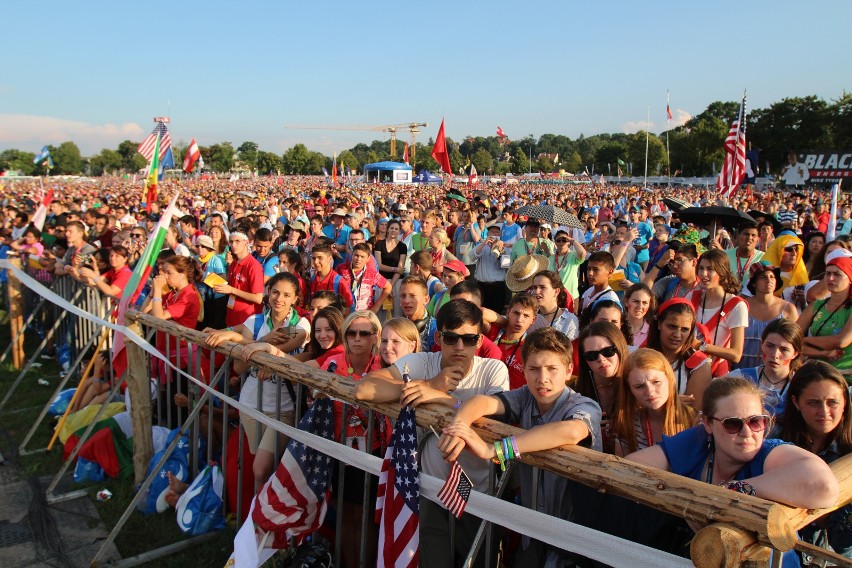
(140, 533)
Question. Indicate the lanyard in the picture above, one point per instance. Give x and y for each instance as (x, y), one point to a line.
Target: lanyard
(356, 282)
(740, 268)
(564, 262)
(518, 343)
(828, 317)
(648, 434)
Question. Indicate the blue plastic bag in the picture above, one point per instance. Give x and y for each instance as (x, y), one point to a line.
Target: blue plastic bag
(61, 402)
(177, 464)
(199, 509)
(88, 471)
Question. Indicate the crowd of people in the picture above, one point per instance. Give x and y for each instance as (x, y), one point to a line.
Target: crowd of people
(719, 350)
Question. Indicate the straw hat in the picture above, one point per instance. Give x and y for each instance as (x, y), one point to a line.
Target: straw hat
(523, 270)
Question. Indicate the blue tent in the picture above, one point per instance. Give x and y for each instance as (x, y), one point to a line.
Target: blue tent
(425, 176)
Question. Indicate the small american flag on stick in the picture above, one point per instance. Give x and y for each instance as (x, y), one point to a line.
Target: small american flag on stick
(456, 490)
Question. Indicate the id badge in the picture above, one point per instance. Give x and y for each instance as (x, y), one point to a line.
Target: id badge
(231, 301)
(505, 261)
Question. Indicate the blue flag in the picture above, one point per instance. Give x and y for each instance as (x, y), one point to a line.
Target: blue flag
(167, 163)
(42, 156)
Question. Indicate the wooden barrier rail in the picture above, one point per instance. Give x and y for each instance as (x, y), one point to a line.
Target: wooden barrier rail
(741, 525)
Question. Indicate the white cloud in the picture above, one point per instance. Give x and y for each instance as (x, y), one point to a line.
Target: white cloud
(636, 126)
(31, 132)
(680, 117)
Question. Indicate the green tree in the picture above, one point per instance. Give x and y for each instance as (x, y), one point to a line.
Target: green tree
(108, 161)
(131, 160)
(544, 163)
(636, 153)
(482, 160)
(799, 123)
(267, 161)
(573, 163)
(372, 157)
(316, 162)
(247, 154)
(296, 159)
(219, 157)
(67, 159)
(349, 160)
(609, 153)
(520, 162)
(502, 168)
(21, 162)
(842, 127)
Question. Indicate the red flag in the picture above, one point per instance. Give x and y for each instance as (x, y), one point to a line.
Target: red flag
(456, 490)
(334, 170)
(398, 498)
(500, 133)
(734, 168)
(473, 180)
(192, 155)
(439, 151)
(405, 154)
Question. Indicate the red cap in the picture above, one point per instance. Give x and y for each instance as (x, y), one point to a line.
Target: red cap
(457, 266)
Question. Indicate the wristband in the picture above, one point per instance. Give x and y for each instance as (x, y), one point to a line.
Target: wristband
(515, 448)
(458, 404)
(156, 299)
(507, 449)
(742, 487)
(498, 449)
(659, 267)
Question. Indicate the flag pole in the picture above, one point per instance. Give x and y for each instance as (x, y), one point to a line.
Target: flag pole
(668, 155)
(647, 137)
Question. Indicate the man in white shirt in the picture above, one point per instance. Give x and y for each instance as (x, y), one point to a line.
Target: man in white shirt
(448, 377)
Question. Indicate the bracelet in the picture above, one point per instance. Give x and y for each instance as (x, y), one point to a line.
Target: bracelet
(156, 299)
(515, 447)
(458, 404)
(507, 449)
(659, 267)
(742, 487)
(498, 449)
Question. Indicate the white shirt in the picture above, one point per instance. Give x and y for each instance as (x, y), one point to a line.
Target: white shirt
(737, 317)
(487, 376)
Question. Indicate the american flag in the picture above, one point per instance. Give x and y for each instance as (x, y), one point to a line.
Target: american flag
(456, 490)
(294, 500)
(734, 168)
(398, 499)
(146, 148)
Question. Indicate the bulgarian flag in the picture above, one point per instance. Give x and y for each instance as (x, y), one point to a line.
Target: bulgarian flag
(153, 174)
(138, 280)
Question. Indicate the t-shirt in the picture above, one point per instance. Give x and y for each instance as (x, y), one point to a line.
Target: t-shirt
(510, 233)
(390, 258)
(721, 335)
(590, 297)
(120, 278)
(566, 266)
(487, 376)
(269, 396)
(671, 287)
(245, 275)
(183, 306)
(554, 495)
(342, 287)
(740, 266)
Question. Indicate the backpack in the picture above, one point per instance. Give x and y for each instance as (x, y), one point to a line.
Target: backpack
(719, 367)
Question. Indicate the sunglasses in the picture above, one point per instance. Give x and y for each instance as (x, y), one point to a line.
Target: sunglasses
(561, 240)
(734, 425)
(137, 236)
(791, 248)
(606, 352)
(468, 339)
(359, 333)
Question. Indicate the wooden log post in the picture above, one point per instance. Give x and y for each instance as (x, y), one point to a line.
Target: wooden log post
(721, 545)
(16, 314)
(139, 387)
(685, 498)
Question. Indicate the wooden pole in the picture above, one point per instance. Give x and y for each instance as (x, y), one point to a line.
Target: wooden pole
(680, 496)
(138, 385)
(16, 314)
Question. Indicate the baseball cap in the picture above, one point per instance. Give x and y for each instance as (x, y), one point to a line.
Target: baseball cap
(457, 266)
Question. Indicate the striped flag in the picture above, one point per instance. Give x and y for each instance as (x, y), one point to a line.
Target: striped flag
(398, 498)
(192, 156)
(146, 148)
(456, 490)
(831, 232)
(473, 179)
(334, 170)
(405, 154)
(153, 177)
(40, 215)
(42, 156)
(137, 281)
(668, 108)
(734, 168)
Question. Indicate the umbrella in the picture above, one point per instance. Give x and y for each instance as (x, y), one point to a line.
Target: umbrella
(458, 197)
(550, 214)
(798, 194)
(676, 204)
(713, 216)
(247, 194)
(776, 224)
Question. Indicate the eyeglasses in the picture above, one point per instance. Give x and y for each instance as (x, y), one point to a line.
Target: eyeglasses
(451, 338)
(136, 236)
(791, 248)
(734, 425)
(607, 352)
(359, 333)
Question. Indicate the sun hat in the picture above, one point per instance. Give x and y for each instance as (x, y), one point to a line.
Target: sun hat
(758, 268)
(339, 212)
(206, 242)
(523, 270)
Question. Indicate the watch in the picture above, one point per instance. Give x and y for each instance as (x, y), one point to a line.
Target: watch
(703, 347)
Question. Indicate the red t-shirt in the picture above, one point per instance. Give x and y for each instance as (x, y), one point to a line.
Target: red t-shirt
(120, 278)
(245, 275)
(510, 354)
(344, 286)
(184, 307)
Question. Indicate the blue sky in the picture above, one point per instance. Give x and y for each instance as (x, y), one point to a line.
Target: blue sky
(97, 72)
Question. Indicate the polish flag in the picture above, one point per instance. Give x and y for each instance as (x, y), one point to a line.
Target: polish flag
(192, 156)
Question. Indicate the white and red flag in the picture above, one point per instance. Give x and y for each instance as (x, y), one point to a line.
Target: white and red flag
(500, 133)
(192, 155)
(473, 179)
(398, 498)
(405, 154)
(40, 215)
(734, 168)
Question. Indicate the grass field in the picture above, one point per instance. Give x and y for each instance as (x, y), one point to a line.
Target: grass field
(141, 533)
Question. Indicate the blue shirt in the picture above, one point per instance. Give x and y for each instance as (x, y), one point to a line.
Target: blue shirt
(339, 236)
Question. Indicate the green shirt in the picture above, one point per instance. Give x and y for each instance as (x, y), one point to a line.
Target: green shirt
(826, 323)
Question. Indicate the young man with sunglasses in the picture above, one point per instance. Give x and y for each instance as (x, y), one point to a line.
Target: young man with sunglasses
(448, 377)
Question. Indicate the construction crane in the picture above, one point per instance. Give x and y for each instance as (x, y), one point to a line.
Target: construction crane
(412, 127)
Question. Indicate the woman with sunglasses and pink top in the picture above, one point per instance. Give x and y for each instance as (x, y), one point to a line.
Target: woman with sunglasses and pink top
(729, 448)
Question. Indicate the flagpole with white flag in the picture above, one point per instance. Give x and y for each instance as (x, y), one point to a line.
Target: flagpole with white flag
(832, 223)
